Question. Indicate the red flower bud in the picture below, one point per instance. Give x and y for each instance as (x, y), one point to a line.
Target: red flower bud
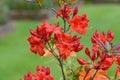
(87, 51)
(82, 61)
(75, 11)
(93, 58)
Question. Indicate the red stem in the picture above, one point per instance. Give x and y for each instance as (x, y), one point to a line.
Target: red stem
(86, 74)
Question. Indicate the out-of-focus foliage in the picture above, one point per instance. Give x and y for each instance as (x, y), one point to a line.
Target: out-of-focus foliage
(60, 2)
(39, 2)
(21, 5)
(30, 4)
(49, 4)
(3, 13)
(66, 2)
(88, 1)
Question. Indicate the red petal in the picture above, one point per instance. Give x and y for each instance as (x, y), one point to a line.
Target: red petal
(118, 60)
(105, 63)
(110, 35)
(34, 33)
(96, 34)
(93, 40)
(95, 49)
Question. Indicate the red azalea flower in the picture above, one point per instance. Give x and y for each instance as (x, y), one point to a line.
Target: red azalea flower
(66, 44)
(64, 12)
(28, 76)
(43, 73)
(45, 30)
(60, 36)
(37, 45)
(64, 50)
(79, 24)
(105, 63)
(76, 46)
(103, 42)
(102, 37)
(41, 36)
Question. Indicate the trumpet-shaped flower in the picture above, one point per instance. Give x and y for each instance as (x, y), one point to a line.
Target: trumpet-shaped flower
(67, 44)
(79, 24)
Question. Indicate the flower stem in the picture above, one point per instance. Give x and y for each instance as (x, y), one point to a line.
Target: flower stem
(95, 74)
(55, 12)
(60, 60)
(51, 50)
(98, 68)
(64, 11)
(86, 74)
(64, 24)
(115, 76)
(68, 28)
(62, 68)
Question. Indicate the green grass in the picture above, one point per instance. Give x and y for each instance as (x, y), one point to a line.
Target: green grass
(16, 59)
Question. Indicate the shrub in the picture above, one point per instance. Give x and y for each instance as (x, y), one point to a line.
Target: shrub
(3, 14)
(21, 5)
(24, 5)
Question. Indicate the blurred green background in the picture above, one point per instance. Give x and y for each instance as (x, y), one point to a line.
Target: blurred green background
(15, 56)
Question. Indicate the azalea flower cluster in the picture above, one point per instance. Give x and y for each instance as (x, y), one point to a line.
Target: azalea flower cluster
(55, 40)
(52, 39)
(103, 55)
(43, 73)
(78, 23)
(64, 42)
